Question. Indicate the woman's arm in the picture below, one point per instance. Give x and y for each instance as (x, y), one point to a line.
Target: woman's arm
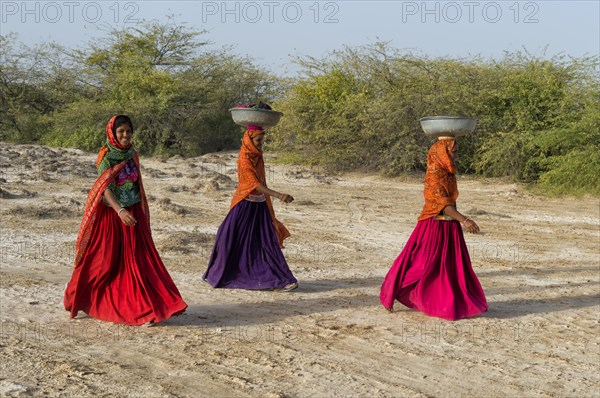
(123, 214)
(469, 224)
(284, 197)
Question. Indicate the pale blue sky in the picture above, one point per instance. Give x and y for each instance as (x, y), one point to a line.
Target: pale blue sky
(271, 31)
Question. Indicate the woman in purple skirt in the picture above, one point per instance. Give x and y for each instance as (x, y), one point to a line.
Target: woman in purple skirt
(247, 252)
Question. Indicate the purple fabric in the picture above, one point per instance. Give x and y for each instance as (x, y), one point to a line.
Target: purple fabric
(433, 274)
(246, 254)
(128, 173)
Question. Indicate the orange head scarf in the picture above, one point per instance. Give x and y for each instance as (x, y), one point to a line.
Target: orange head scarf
(251, 174)
(440, 179)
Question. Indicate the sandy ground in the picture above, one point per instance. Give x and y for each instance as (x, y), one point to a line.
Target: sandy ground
(537, 259)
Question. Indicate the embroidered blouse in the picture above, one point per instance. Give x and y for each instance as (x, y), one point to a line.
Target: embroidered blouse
(125, 187)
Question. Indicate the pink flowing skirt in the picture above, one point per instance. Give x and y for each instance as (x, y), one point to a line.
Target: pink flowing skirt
(433, 274)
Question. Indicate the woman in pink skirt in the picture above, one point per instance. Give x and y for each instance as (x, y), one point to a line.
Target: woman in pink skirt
(433, 274)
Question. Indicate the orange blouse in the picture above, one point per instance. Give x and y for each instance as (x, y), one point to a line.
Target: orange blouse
(440, 180)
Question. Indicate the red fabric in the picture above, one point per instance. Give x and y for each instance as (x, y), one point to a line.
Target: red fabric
(90, 213)
(433, 274)
(118, 274)
(121, 277)
(97, 191)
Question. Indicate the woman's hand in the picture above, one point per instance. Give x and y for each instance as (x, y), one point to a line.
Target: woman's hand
(126, 217)
(285, 198)
(470, 225)
(122, 212)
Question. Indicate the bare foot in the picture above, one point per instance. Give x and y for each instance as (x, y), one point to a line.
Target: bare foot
(287, 288)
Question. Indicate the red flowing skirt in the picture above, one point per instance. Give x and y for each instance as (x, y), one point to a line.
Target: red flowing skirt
(433, 274)
(121, 277)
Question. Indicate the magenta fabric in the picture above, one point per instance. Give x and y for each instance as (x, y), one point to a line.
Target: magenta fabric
(433, 274)
(129, 173)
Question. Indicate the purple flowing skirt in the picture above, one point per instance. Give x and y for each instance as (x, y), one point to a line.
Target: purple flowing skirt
(246, 254)
(433, 274)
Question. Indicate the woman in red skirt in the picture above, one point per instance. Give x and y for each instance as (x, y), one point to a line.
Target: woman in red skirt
(118, 275)
(433, 274)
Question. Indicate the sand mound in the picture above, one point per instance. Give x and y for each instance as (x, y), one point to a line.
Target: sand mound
(166, 206)
(184, 242)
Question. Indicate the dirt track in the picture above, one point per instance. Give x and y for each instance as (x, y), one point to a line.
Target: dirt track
(537, 259)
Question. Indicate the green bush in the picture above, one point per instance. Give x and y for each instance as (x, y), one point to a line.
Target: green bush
(358, 109)
(175, 90)
(576, 173)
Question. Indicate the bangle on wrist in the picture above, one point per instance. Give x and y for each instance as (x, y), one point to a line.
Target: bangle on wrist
(120, 210)
(465, 220)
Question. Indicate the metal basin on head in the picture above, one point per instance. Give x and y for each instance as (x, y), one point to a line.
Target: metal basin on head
(255, 117)
(447, 126)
